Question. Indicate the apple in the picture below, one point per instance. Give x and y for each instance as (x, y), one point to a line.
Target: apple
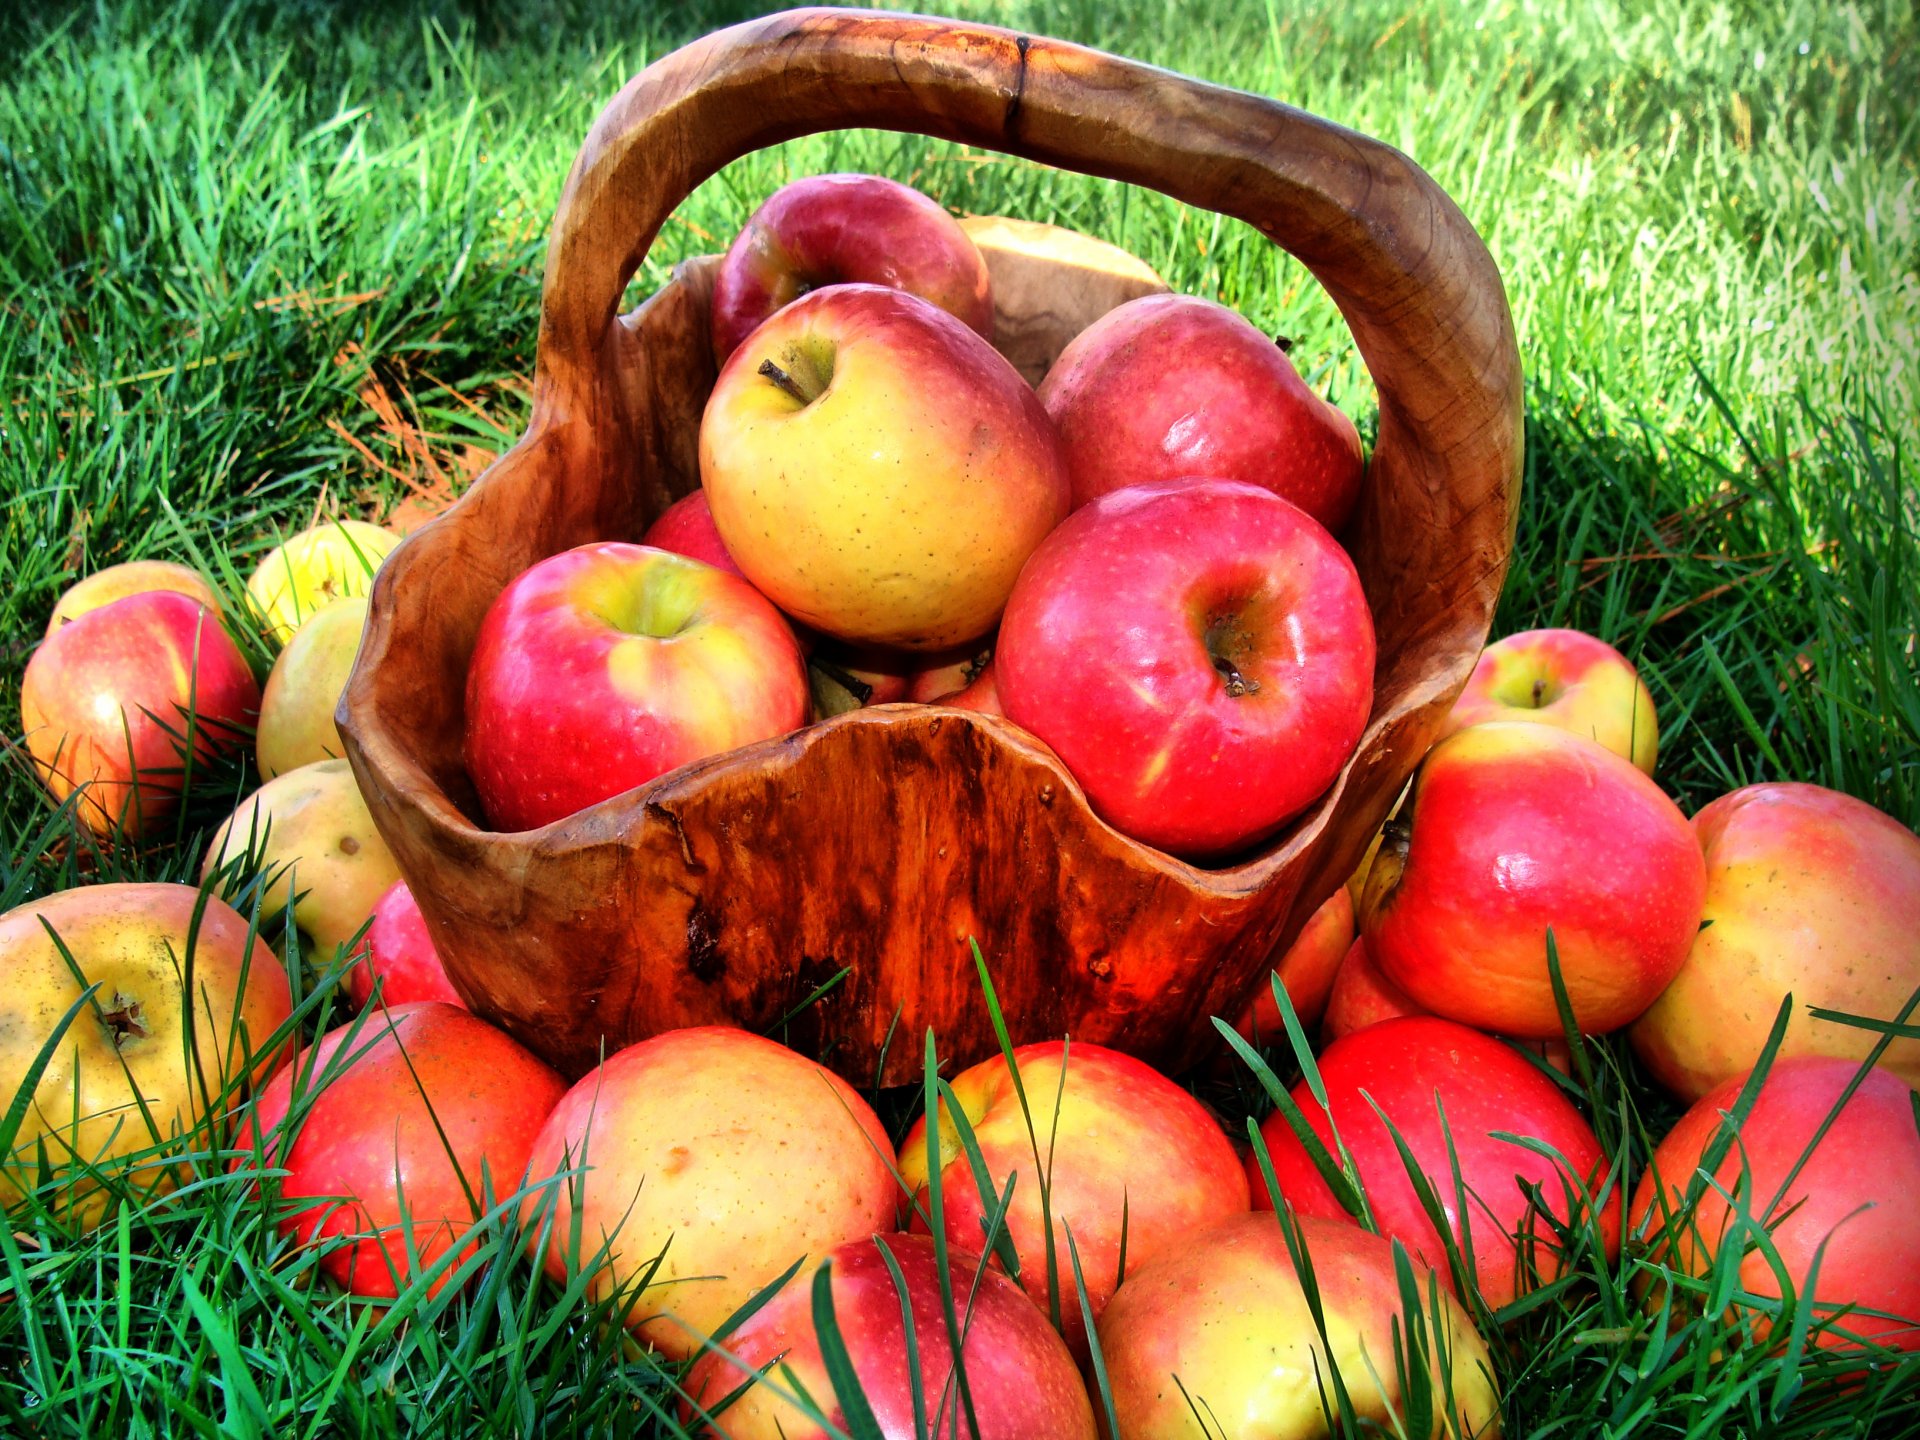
(1022, 1381)
(878, 470)
(1172, 385)
(1124, 1150)
(399, 954)
(1412, 1069)
(686, 528)
(1564, 678)
(110, 698)
(132, 1074)
(407, 1129)
(1308, 970)
(303, 689)
(310, 834)
(982, 695)
(1362, 996)
(1220, 1326)
(133, 577)
(1516, 829)
(723, 1156)
(1198, 653)
(310, 570)
(609, 664)
(1810, 893)
(878, 676)
(947, 674)
(833, 229)
(1850, 1205)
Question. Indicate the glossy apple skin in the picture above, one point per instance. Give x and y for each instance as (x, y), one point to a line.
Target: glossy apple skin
(303, 690)
(1565, 678)
(1405, 1066)
(1171, 385)
(1809, 892)
(1307, 970)
(836, 229)
(1128, 1147)
(896, 506)
(686, 528)
(133, 577)
(606, 665)
(311, 570)
(1855, 1194)
(131, 940)
(399, 953)
(103, 692)
(746, 1155)
(1224, 1314)
(1107, 653)
(1516, 828)
(425, 1095)
(1362, 996)
(1023, 1382)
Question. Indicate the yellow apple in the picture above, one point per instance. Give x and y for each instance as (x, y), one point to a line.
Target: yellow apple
(135, 577)
(313, 569)
(1564, 678)
(296, 712)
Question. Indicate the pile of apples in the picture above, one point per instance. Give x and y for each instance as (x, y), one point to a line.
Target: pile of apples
(1060, 1202)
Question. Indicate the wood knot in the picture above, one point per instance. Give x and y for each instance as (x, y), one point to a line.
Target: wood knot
(1100, 968)
(704, 960)
(1046, 793)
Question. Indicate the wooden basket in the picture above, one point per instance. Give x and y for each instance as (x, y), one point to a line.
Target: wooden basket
(726, 891)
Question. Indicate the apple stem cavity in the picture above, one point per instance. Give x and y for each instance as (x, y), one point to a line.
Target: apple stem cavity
(123, 1021)
(1539, 693)
(1237, 684)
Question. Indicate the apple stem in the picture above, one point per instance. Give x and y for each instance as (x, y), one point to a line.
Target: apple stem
(855, 687)
(124, 1022)
(1539, 693)
(784, 380)
(1237, 684)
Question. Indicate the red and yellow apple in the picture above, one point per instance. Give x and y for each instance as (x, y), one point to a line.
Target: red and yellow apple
(1220, 1326)
(1412, 1069)
(1851, 1204)
(1022, 1381)
(399, 955)
(110, 698)
(1362, 996)
(609, 664)
(402, 1143)
(303, 690)
(1198, 653)
(1119, 1148)
(1564, 678)
(1173, 385)
(722, 1155)
(1514, 830)
(1810, 893)
(309, 571)
(982, 694)
(878, 470)
(838, 229)
(132, 577)
(144, 1061)
(1308, 970)
(942, 676)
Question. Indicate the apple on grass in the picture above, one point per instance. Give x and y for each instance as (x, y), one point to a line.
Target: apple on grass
(1198, 653)
(609, 664)
(408, 1128)
(878, 470)
(723, 1157)
(303, 690)
(1131, 1163)
(110, 700)
(1564, 678)
(1515, 830)
(1850, 1206)
(834, 229)
(1413, 1071)
(1020, 1379)
(1810, 893)
(1172, 385)
(132, 1074)
(1221, 1326)
(399, 956)
(1307, 971)
(309, 571)
(132, 577)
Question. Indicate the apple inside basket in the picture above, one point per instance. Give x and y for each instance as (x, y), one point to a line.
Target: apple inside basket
(882, 841)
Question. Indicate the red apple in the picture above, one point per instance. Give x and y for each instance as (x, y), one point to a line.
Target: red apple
(726, 1154)
(878, 470)
(983, 694)
(1412, 1069)
(606, 665)
(1171, 385)
(1308, 971)
(399, 954)
(947, 674)
(1515, 830)
(1564, 678)
(1124, 1149)
(110, 697)
(686, 528)
(1198, 653)
(884, 673)
(1220, 1327)
(404, 1143)
(1362, 996)
(1851, 1203)
(832, 229)
(1022, 1380)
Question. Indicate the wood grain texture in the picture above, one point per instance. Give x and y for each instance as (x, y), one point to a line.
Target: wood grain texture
(882, 840)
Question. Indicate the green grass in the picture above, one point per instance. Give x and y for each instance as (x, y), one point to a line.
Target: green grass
(249, 254)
